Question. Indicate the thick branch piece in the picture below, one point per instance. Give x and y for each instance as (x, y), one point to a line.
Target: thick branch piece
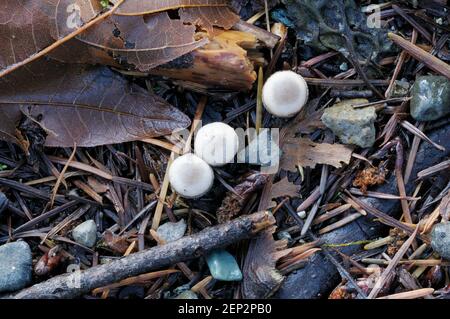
(64, 286)
(226, 62)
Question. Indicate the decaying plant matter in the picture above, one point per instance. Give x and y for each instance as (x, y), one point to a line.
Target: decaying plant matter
(100, 102)
(235, 200)
(129, 36)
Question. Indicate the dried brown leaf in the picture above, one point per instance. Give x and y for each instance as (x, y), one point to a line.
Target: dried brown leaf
(144, 42)
(304, 152)
(97, 186)
(29, 28)
(88, 106)
(203, 13)
(139, 7)
(209, 17)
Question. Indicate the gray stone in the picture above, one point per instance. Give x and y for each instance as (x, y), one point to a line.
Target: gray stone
(352, 125)
(440, 240)
(188, 294)
(223, 266)
(85, 233)
(430, 98)
(172, 231)
(15, 266)
(401, 89)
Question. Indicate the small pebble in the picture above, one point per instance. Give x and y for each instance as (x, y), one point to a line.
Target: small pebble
(302, 214)
(188, 294)
(85, 233)
(172, 231)
(430, 98)
(343, 67)
(178, 290)
(440, 240)
(352, 125)
(223, 266)
(401, 89)
(15, 266)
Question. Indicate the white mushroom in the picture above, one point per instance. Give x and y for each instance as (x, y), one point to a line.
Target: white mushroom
(285, 93)
(216, 143)
(190, 176)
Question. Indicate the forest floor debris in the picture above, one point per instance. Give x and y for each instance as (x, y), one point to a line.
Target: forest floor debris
(97, 109)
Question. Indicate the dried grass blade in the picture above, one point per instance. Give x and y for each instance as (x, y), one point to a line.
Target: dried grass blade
(433, 169)
(419, 293)
(82, 166)
(421, 55)
(61, 176)
(418, 132)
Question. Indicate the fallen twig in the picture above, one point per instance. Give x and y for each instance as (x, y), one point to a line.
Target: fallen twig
(187, 248)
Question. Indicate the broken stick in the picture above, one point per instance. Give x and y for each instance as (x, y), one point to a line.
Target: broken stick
(190, 247)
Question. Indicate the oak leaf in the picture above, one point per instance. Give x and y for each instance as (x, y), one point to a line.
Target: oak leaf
(304, 152)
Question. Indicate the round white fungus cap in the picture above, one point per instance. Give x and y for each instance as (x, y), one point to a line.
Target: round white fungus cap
(285, 93)
(190, 176)
(216, 143)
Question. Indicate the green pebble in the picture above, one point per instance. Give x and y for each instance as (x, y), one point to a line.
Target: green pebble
(223, 266)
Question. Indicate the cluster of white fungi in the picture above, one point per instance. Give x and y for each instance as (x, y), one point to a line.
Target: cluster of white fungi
(284, 94)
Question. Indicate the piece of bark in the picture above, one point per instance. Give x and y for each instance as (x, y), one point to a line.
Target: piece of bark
(184, 249)
(319, 277)
(223, 63)
(261, 277)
